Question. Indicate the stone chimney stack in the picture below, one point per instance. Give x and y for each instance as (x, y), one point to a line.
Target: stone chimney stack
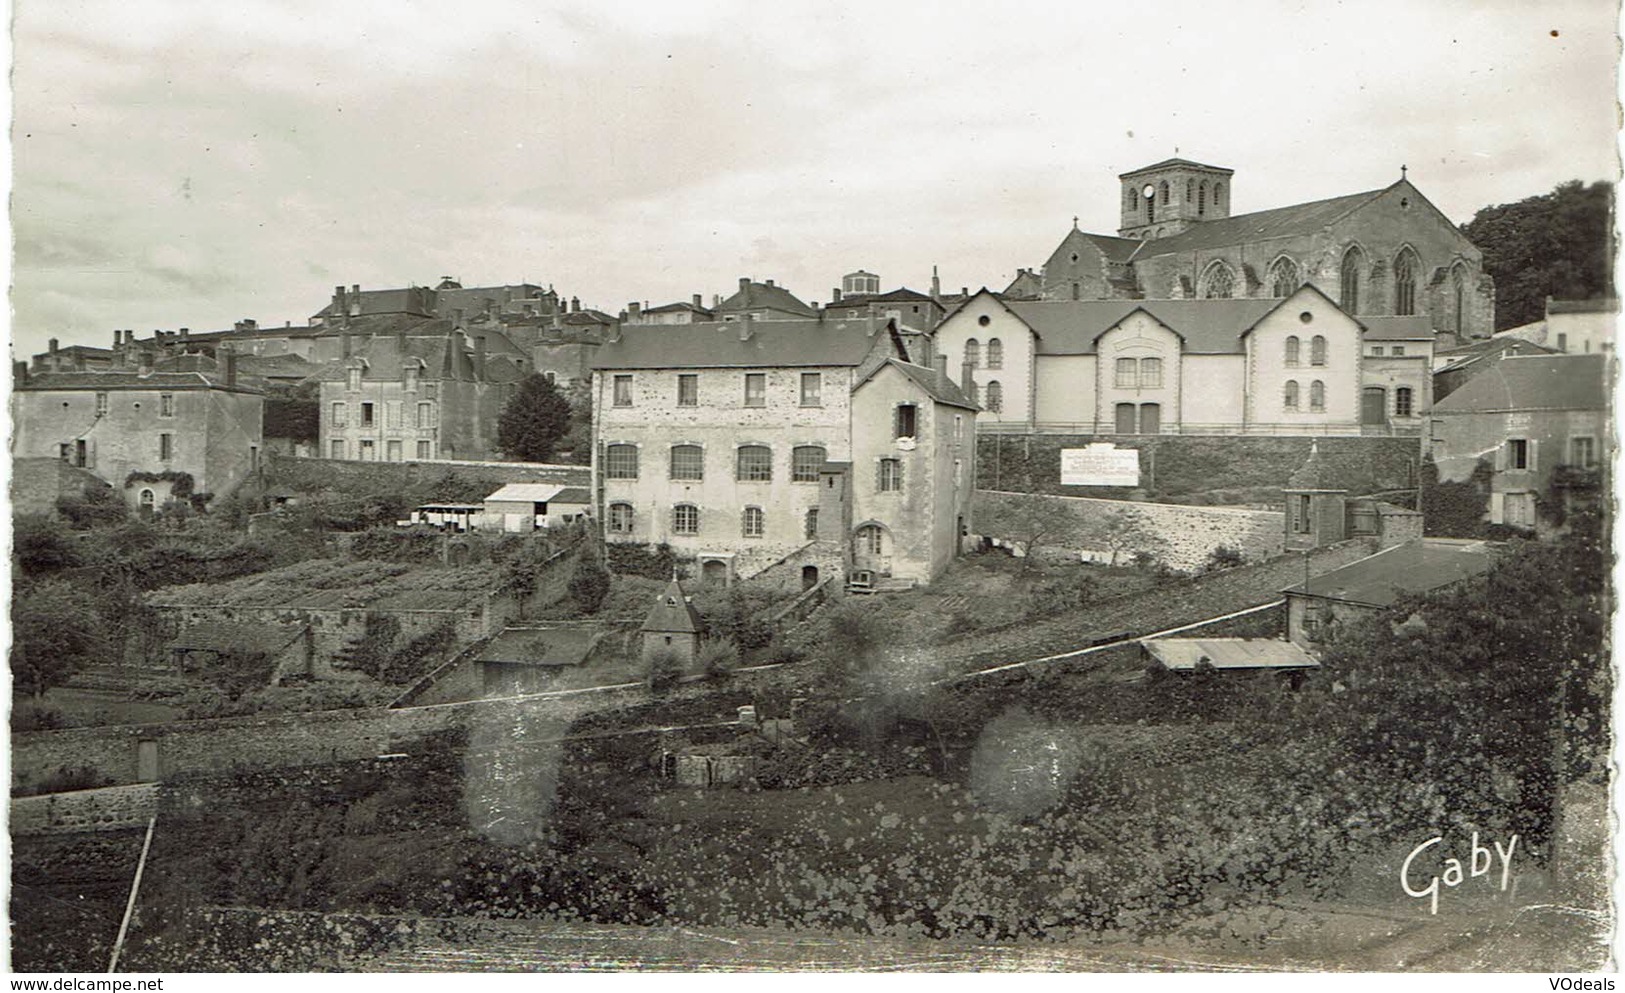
(341, 306)
(634, 310)
(744, 283)
(747, 327)
(967, 380)
(53, 363)
(940, 362)
(19, 373)
(355, 300)
(698, 304)
(231, 365)
(936, 285)
(575, 305)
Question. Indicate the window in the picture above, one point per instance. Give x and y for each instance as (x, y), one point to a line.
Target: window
(995, 396)
(623, 391)
(1376, 350)
(1398, 350)
(973, 353)
(805, 461)
(166, 405)
(620, 518)
(148, 501)
(1127, 372)
(337, 448)
(425, 449)
(1405, 283)
(1151, 207)
(812, 389)
(889, 475)
(1292, 350)
(1289, 397)
(1317, 350)
(409, 378)
(1300, 513)
(253, 456)
(392, 413)
(353, 378)
(392, 451)
(1353, 265)
(685, 519)
(426, 414)
(959, 428)
(341, 416)
(1162, 193)
(1150, 374)
(907, 420)
(1317, 395)
(811, 524)
(755, 389)
(872, 539)
(101, 404)
(369, 451)
(688, 390)
(1218, 282)
(1520, 509)
(687, 462)
(755, 522)
(1583, 452)
(995, 353)
(1404, 405)
(1517, 456)
(755, 464)
(1201, 200)
(1077, 291)
(166, 447)
(366, 415)
(1284, 278)
(959, 473)
(621, 462)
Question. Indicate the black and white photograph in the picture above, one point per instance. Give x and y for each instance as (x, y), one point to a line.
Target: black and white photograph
(841, 487)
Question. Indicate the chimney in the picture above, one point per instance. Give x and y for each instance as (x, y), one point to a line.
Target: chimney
(53, 346)
(936, 285)
(231, 366)
(835, 295)
(341, 306)
(744, 283)
(344, 341)
(575, 305)
(697, 302)
(479, 358)
(747, 327)
(19, 373)
(187, 332)
(967, 382)
(634, 309)
(869, 322)
(941, 364)
(716, 300)
(964, 291)
(770, 284)
(118, 338)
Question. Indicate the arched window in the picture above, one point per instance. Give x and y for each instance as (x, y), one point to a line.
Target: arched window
(1162, 193)
(1353, 266)
(1292, 351)
(995, 396)
(755, 464)
(754, 523)
(685, 519)
(687, 462)
(1317, 395)
(620, 461)
(620, 518)
(1317, 350)
(995, 353)
(1218, 282)
(1151, 207)
(1284, 277)
(1201, 200)
(1289, 397)
(1131, 199)
(1405, 267)
(1190, 190)
(805, 461)
(811, 524)
(148, 501)
(1218, 196)
(1458, 291)
(1404, 405)
(872, 539)
(973, 352)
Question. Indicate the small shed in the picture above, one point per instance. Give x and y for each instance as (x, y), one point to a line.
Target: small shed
(673, 624)
(530, 659)
(529, 506)
(1227, 654)
(276, 650)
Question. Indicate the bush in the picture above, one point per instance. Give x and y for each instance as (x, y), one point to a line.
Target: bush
(636, 560)
(36, 717)
(95, 505)
(665, 666)
(718, 657)
(1223, 557)
(589, 584)
(68, 778)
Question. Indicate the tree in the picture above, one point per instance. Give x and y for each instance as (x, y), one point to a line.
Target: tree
(41, 545)
(55, 633)
(535, 419)
(1558, 244)
(589, 583)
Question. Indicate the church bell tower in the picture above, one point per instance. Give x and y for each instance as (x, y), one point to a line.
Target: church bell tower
(1167, 198)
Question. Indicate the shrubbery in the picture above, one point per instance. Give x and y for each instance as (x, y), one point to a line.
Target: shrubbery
(589, 584)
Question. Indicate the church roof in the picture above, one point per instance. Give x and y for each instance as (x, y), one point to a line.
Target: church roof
(1280, 222)
(717, 345)
(1115, 249)
(1209, 327)
(1533, 382)
(672, 612)
(1170, 163)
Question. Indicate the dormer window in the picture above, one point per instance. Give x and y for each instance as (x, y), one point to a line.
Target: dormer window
(354, 376)
(409, 378)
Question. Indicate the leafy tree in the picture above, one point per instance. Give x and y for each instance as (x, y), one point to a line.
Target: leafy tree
(589, 584)
(534, 421)
(40, 545)
(1557, 244)
(55, 632)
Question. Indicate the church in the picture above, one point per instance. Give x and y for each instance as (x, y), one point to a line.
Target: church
(1385, 252)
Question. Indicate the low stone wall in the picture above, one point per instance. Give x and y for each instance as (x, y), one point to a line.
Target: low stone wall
(112, 808)
(1179, 536)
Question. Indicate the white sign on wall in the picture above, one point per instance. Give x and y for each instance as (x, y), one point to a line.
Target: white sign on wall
(1100, 464)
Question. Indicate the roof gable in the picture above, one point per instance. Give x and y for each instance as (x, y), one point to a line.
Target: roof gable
(672, 612)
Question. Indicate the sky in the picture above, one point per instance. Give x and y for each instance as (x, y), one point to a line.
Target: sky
(182, 164)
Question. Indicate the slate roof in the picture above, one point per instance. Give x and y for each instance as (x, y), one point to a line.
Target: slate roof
(1488, 348)
(672, 613)
(1414, 567)
(541, 646)
(1601, 305)
(938, 388)
(679, 306)
(1182, 654)
(573, 494)
(755, 295)
(1316, 473)
(236, 638)
(1533, 382)
(1209, 327)
(1114, 248)
(127, 380)
(440, 352)
(418, 300)
(900, 295)
(716, 345)
(1279, 222)
(1166, 163)
(1418, 328)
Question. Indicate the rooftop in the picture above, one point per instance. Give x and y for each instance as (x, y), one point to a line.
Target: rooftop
(1533, 382)
(672, 612)
(753, 295)
(541, 646)
(719, 345)
(1414, 567)
(126, 380)
(538, 493)
(1278, 222)
(1211, 327)
(1183, 654)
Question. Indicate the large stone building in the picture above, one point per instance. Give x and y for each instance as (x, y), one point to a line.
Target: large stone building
(149, 434)
(815, 447)
(1384, 252)
(1297, 365)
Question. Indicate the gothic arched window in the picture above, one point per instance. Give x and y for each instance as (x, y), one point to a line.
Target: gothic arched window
(1458, 290)
(1353, 265)
(1405, 266)
(1284, 278)
(1190, 190)
(1218, 282)
(1151, 207)
(1162, 193)
(1218, 196)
